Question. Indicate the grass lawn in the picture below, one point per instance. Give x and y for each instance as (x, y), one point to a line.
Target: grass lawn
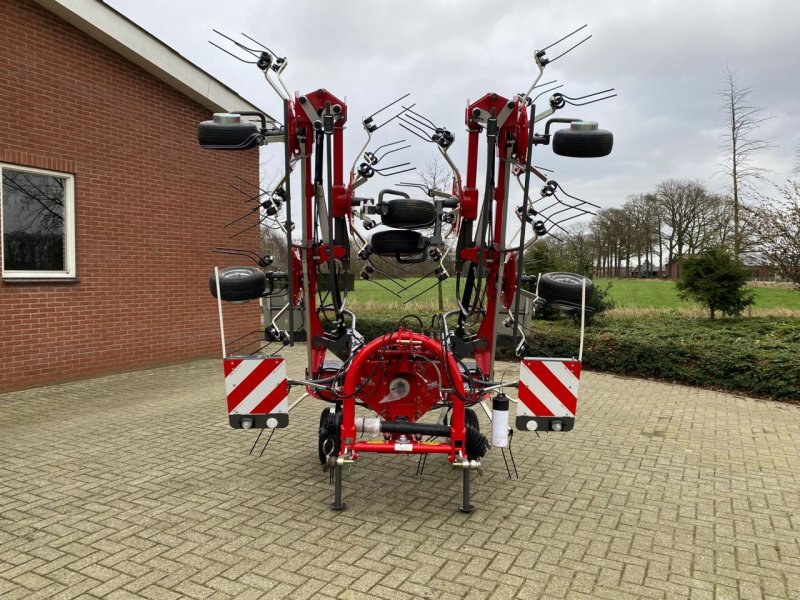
(651, 333)
(651, 293)
(369, 295)
(628, 295)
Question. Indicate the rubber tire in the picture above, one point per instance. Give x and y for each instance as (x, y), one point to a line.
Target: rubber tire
(561, 286)
(398, 242)
(471, 419)
(228, 136)
(407, 213)
(583, 144)
(326, 419)
(477, 443)
(237, 284)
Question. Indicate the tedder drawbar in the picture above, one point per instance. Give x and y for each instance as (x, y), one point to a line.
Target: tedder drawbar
(407, 372)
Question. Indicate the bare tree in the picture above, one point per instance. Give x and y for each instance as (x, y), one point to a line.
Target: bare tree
(645, 224)
(436, 175)
(740, 143)
(33, 211)
(776, 230)
(689, 215)
(796, 167)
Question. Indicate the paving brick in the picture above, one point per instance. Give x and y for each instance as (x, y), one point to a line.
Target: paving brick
(154, 507)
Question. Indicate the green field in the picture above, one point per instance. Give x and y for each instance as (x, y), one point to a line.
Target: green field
(649, 293)
(628, 294)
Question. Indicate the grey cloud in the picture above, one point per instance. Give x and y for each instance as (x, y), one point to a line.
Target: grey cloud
(666, 60)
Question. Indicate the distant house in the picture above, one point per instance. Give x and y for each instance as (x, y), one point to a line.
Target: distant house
(647, 270)
(110, 210)
(672, 269)
(759, 270)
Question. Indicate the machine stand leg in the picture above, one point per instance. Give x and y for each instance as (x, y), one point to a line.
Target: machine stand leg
(337, 489)
(465, 507)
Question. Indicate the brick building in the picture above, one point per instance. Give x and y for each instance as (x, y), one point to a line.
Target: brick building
(110, 209)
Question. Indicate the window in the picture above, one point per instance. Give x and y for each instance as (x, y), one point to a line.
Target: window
(37, 223)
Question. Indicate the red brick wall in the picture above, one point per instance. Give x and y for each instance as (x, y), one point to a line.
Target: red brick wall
(150, 205)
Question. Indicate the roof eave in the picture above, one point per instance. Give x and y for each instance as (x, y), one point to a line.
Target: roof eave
(97, 19)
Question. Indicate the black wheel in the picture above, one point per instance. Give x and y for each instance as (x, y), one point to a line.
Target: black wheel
(329, 440)
(564, 287)
(583, 140)
(406, 213)
(237, 284)
(398, 242)
(228, 136)
(471, 419)
(477, 444)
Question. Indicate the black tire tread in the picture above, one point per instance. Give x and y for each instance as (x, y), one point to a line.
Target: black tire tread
(397, 242)
(561, 286)
(250, 283)
(232, 136)
(583, 144)
(408, 213)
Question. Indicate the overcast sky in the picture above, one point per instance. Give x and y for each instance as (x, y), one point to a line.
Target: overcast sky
(666, 60)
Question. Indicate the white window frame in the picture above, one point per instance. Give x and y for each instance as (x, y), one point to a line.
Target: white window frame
(69, 227)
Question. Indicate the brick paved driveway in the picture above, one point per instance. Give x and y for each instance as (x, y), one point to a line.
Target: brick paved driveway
(134, 486)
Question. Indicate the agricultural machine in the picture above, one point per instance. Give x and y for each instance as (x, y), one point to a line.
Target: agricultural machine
(416, 367)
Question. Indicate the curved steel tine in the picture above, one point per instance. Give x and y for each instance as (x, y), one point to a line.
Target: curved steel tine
(431, 123)
(244, 216)
(588, 95)
(390, 104)
(249, 227)
(260, 44)
(376, 282)
(581, 211)
(554, 224)
(424, 138)
(390, 119)
(248, 62)
(420, 121)
(388, 275)
(385, 154)
(387, 145)
(248, 253)
(240, 178)
(565, 37)
(586, 39)
(563, 191)
(392, 167)
(252, 51)
(396, 172)
(415, 282)
(538, 85)
(543, 92)
(249, 197)
(415, 185)
(435, 283)
(571, 103)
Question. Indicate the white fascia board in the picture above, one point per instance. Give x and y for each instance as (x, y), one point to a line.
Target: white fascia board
(123, 36)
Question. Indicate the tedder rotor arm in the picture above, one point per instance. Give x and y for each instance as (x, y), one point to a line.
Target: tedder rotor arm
(414, 368)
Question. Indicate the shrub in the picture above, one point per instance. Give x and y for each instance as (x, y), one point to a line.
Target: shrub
(716, 280)
(756, 356)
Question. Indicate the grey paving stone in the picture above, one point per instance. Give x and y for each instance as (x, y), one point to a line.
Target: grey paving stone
(133, 485)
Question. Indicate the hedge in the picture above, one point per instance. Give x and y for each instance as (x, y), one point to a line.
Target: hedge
(757, 356)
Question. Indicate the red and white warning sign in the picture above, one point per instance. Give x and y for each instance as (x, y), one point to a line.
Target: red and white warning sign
(548, 387)
(256, 385)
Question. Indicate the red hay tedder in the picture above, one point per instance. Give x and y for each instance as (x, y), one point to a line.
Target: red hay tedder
(410, 370)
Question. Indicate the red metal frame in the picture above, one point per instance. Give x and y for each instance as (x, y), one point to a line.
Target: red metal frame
(512, 134)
